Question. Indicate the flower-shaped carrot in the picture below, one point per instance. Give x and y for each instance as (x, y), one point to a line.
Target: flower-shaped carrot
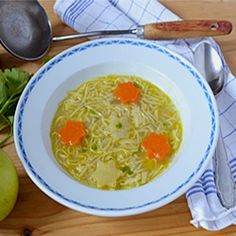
(72, 133)
(126, 92)
(157, 146)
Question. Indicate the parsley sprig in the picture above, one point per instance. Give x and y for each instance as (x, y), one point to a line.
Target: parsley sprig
(12, 83)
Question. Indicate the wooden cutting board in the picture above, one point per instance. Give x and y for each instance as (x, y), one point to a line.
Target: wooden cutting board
(37, 214)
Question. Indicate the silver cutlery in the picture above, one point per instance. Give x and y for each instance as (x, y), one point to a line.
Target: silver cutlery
(209, 64)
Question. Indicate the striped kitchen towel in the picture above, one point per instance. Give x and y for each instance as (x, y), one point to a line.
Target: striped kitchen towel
(89, 15)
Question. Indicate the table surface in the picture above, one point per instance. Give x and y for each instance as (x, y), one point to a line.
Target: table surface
(36, 214)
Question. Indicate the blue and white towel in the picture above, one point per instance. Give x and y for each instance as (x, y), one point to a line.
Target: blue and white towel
(89, 15)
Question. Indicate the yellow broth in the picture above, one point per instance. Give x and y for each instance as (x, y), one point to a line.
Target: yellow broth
(111, 156)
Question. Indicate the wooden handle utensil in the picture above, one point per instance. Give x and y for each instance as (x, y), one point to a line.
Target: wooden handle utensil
(186, 29)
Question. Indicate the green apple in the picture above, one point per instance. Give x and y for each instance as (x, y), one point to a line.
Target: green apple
(9, 185)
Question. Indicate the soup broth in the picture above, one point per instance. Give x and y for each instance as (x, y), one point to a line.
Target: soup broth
(112, 153)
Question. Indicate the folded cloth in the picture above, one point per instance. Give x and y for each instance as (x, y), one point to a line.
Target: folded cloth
(89, 15)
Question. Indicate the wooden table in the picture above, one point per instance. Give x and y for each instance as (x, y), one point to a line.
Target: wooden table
(36, 213)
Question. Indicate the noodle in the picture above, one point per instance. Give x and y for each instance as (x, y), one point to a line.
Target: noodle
(114, 132)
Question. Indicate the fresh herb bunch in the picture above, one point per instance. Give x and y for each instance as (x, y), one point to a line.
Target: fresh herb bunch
(12, 83)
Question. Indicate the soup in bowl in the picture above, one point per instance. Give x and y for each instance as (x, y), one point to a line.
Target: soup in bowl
(112, 133)
(116, 132)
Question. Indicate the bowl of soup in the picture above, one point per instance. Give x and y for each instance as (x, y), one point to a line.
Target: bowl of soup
(116, 127)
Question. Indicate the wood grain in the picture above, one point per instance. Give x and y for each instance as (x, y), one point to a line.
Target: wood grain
(36, 214)
(187, 29)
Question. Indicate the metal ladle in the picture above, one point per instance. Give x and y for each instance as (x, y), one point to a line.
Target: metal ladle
(209, 64)
(25, 30)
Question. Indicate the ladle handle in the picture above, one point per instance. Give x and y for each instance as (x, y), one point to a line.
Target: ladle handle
(91, 34)
(186, 29)
(164, 30)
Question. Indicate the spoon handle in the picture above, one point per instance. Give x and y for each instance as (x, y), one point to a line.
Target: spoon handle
(186, 29)
(164, 30)
(93, 34)
(224, 181)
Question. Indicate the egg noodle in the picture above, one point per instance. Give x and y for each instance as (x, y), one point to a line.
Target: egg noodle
(114, 133)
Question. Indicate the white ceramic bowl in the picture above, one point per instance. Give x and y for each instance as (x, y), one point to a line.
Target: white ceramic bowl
(175, 75)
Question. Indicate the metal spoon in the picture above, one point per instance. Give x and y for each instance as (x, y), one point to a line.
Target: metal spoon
(209, 64)
(25, 30)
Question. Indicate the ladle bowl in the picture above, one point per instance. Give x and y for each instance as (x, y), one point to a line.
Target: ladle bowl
(25, 29)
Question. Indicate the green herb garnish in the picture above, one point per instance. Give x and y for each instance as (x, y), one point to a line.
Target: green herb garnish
(119, 125)
(136, 84)
(126, 169)
(94, 147)
(12, 83)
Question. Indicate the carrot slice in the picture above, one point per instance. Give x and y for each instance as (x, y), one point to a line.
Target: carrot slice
(72, 133)
(157, 146)
(126, 92)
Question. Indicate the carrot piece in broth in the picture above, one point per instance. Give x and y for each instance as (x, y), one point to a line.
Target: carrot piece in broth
(72, 133)
(156, 146)
(126, 92)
